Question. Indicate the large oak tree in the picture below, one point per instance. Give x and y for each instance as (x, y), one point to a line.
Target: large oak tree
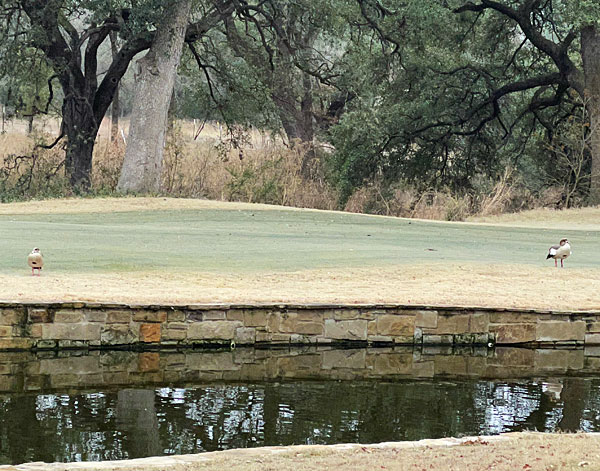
(458, 89)
(567, 33)
(155, 79)
(70, 33)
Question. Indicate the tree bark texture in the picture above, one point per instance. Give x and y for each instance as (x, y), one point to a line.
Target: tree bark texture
(292, 91)
(155, 79)
(115, 108)
(80, 127)
(590, 53)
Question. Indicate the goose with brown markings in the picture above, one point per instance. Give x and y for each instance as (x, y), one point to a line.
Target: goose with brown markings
(559, 252)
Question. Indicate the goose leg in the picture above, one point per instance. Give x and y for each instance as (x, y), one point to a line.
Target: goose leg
(555, 263)
(561, 263)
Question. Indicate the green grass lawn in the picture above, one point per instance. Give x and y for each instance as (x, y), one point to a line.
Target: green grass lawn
(242, 241)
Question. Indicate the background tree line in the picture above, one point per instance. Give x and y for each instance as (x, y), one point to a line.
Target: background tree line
(428, 93)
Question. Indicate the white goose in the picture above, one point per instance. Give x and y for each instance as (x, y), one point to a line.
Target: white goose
(559, 252)
(35, 260)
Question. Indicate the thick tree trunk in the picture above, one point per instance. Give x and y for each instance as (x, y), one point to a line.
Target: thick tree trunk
(81, 128)
(292, 92)
(115, 109)
(590, 53)
(594, 111)
(297, 120)
(306, 113)
(155, 79)
(291, 88)
(294, 121)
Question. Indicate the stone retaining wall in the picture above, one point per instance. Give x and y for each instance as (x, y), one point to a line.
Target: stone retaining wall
(92, 325)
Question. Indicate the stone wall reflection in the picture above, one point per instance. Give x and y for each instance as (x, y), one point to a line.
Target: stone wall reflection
(51, 371)
(123, 404)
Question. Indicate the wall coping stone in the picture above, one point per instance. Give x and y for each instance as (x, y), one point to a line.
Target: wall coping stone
(286, 306)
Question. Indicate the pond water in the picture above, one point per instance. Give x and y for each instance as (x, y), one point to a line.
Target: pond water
(127, 404)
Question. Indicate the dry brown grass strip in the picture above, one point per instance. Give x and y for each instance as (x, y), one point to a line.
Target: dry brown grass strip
(435, 284)
(528, 451)
(576, 218)
(509, 452)
(111, 205)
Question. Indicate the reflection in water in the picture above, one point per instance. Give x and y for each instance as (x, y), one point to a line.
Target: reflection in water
(131, 423)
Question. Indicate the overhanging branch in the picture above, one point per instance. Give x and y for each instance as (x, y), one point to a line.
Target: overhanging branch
(558, 52)
(493, 101)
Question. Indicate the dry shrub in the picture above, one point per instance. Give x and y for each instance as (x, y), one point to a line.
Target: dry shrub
(273, 175)
(403, 201)
(551, 197)
(250, 166)
(247, 165)
(255, 169)
(406, 201)
(507, 195)
(107, 163)
(373, 198)
(28, 170)
(360, 200)
(441, 205)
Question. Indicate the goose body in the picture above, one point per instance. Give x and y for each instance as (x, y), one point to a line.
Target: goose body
(559, 252)
(35, 260)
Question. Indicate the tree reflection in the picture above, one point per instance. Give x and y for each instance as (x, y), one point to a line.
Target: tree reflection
(574, 394)
(131, 423)
(137, 421)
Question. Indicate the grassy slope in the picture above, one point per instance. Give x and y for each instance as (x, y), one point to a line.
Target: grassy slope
(248, 248)
(254, 240)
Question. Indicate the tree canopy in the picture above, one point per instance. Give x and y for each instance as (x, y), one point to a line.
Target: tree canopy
(464, 88)
(440, 93)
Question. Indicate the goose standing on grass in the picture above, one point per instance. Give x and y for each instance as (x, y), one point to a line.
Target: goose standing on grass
(559, 252)
(35, 260)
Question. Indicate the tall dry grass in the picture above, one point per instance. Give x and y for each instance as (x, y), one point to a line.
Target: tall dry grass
(208, 160)
(263, 170)
(250, 166)
(508, 194)
(27, 170)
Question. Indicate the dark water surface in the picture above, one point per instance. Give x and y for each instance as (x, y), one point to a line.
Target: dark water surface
(63, 421)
